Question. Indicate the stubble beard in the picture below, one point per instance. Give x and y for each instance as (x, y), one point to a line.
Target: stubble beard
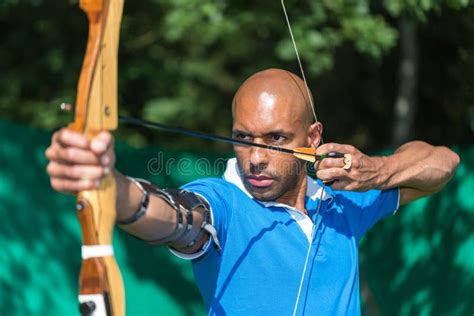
(281, 184)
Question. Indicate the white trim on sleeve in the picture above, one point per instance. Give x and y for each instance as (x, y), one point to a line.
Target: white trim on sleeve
(191, 256)
(398, 202)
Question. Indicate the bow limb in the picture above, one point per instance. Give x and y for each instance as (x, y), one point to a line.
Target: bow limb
(101, 290)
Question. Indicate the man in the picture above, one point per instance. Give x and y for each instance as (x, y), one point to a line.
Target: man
(265, 238)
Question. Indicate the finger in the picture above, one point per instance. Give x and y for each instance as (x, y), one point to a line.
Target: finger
(76, 172)
(334, 147)
(328, 163)
(101, 143)
(317, 164)
(348, 185)
(331, 174)
(340, 185)
(72, 155)
(66, 138)
(108, 159)
(50, 153)
(73, 186)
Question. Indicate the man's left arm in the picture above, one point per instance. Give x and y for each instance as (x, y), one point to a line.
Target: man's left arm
(417, 168)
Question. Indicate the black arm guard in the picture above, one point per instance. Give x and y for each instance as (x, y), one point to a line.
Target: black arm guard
(184, 203)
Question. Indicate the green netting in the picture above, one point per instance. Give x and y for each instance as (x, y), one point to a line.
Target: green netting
(421, 261)
(418, 262)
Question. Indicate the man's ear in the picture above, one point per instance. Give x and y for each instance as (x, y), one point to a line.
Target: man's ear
(315, 134)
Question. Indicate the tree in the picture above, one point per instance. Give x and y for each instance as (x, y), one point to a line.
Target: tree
(182, 60)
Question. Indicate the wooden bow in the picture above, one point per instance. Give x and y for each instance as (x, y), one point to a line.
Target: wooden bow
(101, 290)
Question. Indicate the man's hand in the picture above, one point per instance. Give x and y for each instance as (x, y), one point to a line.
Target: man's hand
(76, 163)
(417, 168)
(364, 173)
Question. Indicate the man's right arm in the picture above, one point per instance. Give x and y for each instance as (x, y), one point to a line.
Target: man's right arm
(78, 164)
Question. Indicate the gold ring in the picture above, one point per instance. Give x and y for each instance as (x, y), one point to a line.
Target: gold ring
(347, 161)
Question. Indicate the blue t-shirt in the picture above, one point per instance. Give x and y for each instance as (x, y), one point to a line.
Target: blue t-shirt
(264, 247)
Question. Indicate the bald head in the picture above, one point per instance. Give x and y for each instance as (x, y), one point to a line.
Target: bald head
(271, 85)
(273, 107)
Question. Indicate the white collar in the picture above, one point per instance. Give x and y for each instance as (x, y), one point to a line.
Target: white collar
(232, 175)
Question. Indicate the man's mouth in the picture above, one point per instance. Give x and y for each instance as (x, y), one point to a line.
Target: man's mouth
(260, 181)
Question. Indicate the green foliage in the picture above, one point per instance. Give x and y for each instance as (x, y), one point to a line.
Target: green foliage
(420, 8)
(182, 60)
(371, 35)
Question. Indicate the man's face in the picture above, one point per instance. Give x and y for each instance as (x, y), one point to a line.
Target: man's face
(267, 117)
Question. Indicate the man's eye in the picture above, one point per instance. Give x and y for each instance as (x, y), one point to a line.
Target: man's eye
(242, 136)
(277, 138)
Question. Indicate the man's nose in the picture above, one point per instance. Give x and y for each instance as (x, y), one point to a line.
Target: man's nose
(258, 157)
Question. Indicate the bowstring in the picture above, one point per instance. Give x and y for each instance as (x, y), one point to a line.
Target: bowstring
(313, 232)
(311, 103)
(299, 60)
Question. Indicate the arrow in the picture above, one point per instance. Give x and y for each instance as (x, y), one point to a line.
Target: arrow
(304, 153)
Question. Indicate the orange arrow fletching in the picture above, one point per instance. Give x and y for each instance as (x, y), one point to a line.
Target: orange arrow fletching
(305, 153)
